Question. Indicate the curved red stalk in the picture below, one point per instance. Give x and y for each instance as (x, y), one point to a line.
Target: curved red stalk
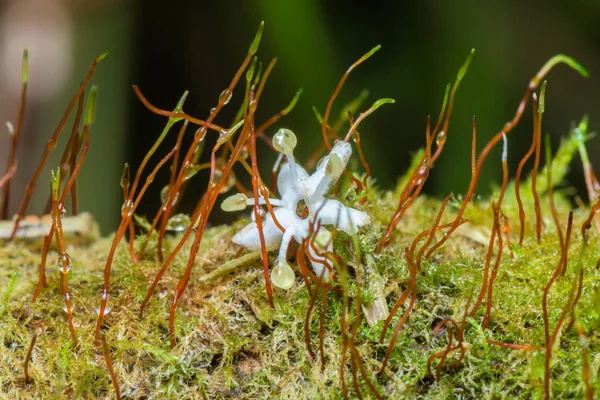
(28, 358)
(488, 306)
(8, 176)
(173, 114)
(69, 156)
(126, 213)
(550, 191)
(509, 126)
(11, 165)
(488, 260)
(585, 370)
(109, 365)
(51, 144)
(526, 157)
(549, 339)
(48, 238)
(324, 125)
(588, 222)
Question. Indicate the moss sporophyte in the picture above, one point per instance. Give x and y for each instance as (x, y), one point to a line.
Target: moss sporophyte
(405, 295)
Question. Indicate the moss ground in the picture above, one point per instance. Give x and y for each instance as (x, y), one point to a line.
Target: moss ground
(232, 345)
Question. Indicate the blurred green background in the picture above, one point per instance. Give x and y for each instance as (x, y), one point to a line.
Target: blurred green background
(168, 47)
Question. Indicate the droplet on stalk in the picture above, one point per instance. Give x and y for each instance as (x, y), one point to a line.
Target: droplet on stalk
(283, 276)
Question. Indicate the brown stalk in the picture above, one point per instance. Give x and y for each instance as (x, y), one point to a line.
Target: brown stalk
(488, 306)
(508, 127)
(588, 222)
(69, 156)
(412, 290)
(536, 163)
(214, 189)
(52, 143)
(11, 166)
(550, 191)
(324, 125)
(109, 365)
(163, 206)
(432, 231)
(126, 214)
(549, 339)
(526, 157)
(488, 260)
(28, 358)
(48, 238)
(585, 370)
(173, 114)
(421, 173)
(65, 262)
(497, 210)
(8, 176)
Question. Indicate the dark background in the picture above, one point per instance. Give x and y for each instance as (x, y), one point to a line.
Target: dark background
(168, 47)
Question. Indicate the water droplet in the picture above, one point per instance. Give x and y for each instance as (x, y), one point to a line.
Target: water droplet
(163, 196)
(212, 110)
(127, 208)
(178, 223)
(63, 212)
(191, 170)
(230, 180)
(102, 297)
(67, 298)
(283, 276)
(62, 261)
(225, 96)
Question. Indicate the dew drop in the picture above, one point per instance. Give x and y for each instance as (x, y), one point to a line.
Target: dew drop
(212, 110)
(127, 208)
(230, 180)
(62, 261)
(225, 96)
(67, 298)
(191, 170)
(283, 276)
(164, 192)
(178, 223)
(102, 297)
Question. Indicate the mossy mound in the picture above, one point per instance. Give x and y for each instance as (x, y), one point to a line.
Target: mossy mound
(231, 344)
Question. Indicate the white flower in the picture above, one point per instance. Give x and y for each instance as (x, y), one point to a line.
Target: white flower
(294, 184)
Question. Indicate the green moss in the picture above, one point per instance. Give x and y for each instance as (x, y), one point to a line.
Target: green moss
(232, 344)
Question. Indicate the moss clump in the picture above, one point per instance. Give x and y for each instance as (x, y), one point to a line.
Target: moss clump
(232, 344)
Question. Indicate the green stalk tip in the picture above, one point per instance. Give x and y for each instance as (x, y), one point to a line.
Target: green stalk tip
(25, 68)
(463, 69)
(317, 114)
(104, 55)
(542, 101)
(294, 101)
(125, 176)
(90, 109)
(573, 64)
(380, 102)
(364, 57)
(254, 45)
(179, 107)
(250, 72)
(55, 183)
(548, 149)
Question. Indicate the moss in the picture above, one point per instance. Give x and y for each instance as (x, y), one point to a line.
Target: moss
(232, 344)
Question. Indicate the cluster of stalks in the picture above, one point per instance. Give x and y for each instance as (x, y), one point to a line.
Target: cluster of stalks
(236, 146)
